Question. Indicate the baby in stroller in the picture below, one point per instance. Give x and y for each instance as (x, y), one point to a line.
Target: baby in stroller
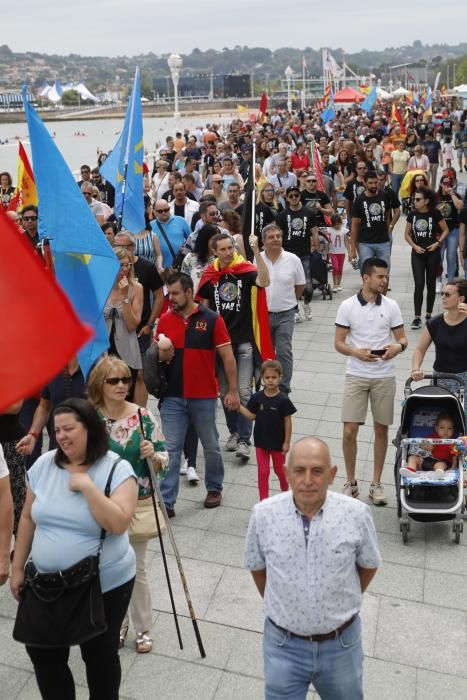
(431, 458)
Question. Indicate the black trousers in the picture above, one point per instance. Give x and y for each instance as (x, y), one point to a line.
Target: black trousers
(190, 447)
(424, 269)
(100, 655)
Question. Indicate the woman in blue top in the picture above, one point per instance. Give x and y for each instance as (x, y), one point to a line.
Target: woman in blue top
(61, 523)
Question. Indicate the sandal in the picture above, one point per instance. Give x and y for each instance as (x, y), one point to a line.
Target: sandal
(143, 643)
(122, 638)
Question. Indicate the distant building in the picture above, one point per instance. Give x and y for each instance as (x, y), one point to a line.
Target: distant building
(205, 85)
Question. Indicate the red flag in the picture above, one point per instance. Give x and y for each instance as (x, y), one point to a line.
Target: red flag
(318, 172)
(396, 117)
(263, 106)
(40, 329)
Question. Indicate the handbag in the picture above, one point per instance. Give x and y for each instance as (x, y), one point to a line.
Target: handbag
(143, 525)
(177, 258)
(63, 608)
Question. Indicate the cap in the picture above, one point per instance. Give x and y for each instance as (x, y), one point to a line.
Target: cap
(292, 188)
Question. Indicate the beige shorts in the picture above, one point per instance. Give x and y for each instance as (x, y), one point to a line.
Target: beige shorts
(381, 393)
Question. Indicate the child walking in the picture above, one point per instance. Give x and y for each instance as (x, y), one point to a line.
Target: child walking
(271, 410)
(338, 248)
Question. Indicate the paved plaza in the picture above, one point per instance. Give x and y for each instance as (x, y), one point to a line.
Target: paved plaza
(414, 614)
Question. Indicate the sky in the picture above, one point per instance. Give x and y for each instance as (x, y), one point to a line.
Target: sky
(123, 27)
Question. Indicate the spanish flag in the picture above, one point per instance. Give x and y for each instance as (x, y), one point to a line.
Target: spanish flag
(259, 306)
(25, 192)
(396, 117)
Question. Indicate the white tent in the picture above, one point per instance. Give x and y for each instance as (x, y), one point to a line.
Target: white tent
(68, 86)
(44, 91)
(462, 89)
(400, 92)
(85, 93)
(55, 93)
(382, 94)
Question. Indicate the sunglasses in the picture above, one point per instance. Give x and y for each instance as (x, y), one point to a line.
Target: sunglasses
(293, 195)
(113, 381)
(312, 181)
(447, 294)
(162, 211)
(29, 218)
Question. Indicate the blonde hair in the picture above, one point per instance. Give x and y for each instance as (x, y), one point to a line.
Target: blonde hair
(100, 372)
(122, 253)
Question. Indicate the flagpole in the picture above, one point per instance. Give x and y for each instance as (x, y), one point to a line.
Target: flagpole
(127, 150)
(253, 197)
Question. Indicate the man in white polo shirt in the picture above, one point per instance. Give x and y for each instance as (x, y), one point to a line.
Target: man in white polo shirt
(286, 286)
(365, 327)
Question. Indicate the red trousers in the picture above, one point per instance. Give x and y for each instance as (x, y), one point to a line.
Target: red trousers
(263, 458)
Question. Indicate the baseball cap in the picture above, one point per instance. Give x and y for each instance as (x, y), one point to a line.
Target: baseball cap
(292, 188)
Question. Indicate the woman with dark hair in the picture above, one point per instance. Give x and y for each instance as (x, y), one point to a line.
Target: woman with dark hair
(424, 232)
(450, 204)
(448, 333)
(345, 165)
(194, 263)
(6, 189)
(65, 512)
(101, 158)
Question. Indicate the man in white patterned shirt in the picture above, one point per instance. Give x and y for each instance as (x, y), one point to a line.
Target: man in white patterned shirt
(312, 553)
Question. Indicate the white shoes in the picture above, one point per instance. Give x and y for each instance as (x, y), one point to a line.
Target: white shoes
(184, 468)
(308, 313)
(190, 473)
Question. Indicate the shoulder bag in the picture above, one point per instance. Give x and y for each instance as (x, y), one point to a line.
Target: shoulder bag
(177, 258)
(63, 608)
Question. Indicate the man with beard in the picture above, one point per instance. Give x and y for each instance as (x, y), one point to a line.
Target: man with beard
(370, 223)
(298, 224)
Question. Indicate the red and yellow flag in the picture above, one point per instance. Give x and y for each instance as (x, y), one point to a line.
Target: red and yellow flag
(396, 117)
(25, 192)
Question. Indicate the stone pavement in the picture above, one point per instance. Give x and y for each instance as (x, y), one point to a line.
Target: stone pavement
(414, 614)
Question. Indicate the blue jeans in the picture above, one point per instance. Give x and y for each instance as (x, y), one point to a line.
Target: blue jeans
(375, 250)
(449, 247)
(236, 423)
(176, 415)
(335, 667)
(308, 293)
(282, 326)
(396, 181)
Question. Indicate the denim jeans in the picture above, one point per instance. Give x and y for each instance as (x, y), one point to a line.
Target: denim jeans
(375, 250)
(282, 326)
(236, 423)
(308, 294)
(449, 247)
(335, 667)
(176, 414)
(396, 181)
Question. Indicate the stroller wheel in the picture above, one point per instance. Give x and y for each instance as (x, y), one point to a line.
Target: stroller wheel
(457, 528)
(329, 293)
(405, 527)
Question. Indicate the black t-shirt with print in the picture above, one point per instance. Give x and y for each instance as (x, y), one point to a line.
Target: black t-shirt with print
(270, 411)
(373, 215)
(264, 215)
(149, 278)
(296, 227)
(353, 190)
(313, 199)
(448, 211)
(425, 227)
(231, 298)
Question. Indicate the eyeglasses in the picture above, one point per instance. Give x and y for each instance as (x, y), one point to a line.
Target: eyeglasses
(162, 211)
(29, 218)
(113, 381)
(447, 294)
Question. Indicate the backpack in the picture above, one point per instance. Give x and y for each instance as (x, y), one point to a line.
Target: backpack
(154, 372)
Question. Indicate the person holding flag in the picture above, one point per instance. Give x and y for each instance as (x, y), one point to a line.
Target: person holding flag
(25, 192)
(6, 189)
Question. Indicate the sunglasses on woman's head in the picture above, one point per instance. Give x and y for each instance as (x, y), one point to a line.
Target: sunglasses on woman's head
(113, 381)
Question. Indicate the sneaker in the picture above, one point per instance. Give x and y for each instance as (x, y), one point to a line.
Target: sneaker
(243, 450)
(416, 323)
(184, 468)
(232, 442)
(335, 289)
(213, 499)
(308, 313)
(439, 286)
(350, 489)
(407, 472)
(192, 476)
(298, 318)
(339, 289)
(377, 494)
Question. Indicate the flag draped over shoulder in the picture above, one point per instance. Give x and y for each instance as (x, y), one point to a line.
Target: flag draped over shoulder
(259, 306)
(25, 192)
(40, 329)
(124, 166)
(85, 265)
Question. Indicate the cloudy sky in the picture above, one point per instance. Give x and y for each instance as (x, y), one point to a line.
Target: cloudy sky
(130, 27)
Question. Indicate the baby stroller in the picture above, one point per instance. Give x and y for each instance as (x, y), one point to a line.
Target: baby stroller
(320, 264)
(420, 498)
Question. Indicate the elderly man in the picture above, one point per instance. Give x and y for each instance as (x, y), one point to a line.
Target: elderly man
(286, 286)
(312, 554)
(87, 190)
(6, 519)
(172, 232)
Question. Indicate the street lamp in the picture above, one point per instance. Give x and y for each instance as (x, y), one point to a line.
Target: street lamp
(175, 63)
(288, 77)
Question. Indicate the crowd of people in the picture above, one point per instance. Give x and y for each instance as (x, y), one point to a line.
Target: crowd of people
(224, 326)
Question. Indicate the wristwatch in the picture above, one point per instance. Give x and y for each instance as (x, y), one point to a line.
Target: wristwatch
(403, 347)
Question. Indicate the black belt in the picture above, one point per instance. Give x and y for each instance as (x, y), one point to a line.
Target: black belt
(318, 637)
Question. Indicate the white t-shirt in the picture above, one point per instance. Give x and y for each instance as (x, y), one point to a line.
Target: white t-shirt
(337, 239)
(3, 466)
(370, 326)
